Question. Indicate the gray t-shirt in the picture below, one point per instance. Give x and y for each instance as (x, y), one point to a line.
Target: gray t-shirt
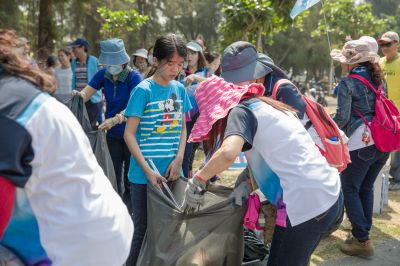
(64, 84)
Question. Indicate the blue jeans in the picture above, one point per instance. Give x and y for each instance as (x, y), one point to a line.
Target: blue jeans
(295, 245)
(395, 166)
(358, 188)
(139, 216)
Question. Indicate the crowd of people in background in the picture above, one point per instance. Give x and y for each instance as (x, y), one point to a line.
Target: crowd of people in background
(159, 105)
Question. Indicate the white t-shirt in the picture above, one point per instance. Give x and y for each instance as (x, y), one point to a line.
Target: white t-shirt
(63, 77)
(355, 140)
(284, 159)
(82, 220)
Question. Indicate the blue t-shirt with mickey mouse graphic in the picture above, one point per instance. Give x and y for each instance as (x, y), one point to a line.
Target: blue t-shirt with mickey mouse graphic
(160, 109)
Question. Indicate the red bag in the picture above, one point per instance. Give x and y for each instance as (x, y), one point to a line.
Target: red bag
(385, 125)
(336, 151)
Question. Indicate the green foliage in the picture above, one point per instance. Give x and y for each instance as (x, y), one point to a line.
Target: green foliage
(117, 23)
(345, 18)
(254, 20)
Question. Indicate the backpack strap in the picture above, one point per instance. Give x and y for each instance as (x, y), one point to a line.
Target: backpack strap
(366, 83)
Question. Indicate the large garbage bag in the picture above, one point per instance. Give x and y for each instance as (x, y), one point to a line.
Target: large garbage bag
(97, 138)
(254, 248)
(213, 235)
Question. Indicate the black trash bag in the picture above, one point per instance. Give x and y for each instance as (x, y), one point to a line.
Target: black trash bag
(254, 248)
(213, 235)
(97, 138)
(78, 108)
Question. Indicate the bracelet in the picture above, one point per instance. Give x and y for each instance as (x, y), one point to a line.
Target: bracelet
(113, 121)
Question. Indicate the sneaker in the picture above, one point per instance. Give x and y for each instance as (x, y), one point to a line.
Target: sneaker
(393, 186)
(353, 247)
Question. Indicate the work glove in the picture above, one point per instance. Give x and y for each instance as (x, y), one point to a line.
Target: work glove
(241, 193)
(194, 193)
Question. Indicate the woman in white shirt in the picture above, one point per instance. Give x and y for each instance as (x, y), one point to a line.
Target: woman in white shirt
(63, 76)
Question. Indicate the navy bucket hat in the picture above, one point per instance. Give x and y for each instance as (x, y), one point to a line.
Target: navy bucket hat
(113, 52)
(241, 62)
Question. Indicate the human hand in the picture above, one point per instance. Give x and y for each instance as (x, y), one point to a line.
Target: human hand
(75, 92)
(174, 170)
(155, 179)
(107, 124)
(190, 79)
(194, 193)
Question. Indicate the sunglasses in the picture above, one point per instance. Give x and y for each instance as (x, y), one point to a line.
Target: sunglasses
(388, 44)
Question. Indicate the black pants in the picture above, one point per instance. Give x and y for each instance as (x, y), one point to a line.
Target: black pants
(120, 156)
(93, 113)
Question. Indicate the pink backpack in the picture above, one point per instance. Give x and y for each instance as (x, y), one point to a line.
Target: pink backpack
(336, 151)
(250, 220)
(385, 125)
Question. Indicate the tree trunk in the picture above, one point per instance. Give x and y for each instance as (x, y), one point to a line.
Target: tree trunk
(259, 39)
(47, 33)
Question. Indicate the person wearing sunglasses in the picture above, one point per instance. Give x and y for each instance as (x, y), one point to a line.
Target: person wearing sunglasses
(390, 64)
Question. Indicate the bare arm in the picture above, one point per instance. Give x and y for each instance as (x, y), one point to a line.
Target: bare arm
(174, 169)
(223, 157)
(87, 92)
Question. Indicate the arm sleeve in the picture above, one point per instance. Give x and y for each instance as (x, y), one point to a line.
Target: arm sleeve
(242, 122)
(137, 102)
(97, 82)
(343, 109)
(292, 97)
(80, 216)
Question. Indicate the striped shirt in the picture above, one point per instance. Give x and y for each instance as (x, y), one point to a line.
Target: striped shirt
(160, 109)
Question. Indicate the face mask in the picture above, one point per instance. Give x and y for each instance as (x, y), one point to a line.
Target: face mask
(141, 66)
(114, 70)
(150, 59)
(20, 50)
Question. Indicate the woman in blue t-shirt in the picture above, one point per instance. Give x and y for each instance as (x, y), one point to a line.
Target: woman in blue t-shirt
(156, 130)
(118, 80)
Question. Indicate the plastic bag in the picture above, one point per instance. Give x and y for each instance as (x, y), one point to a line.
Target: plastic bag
(97, 138)
(211, 236)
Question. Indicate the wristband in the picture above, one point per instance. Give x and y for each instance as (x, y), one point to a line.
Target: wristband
(200, 178)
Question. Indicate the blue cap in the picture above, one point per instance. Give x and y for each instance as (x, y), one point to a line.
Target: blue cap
(113, 52)
(80, 42)
(194, 46)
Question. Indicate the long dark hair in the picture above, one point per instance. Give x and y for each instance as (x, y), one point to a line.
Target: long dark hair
(165, 47)
(217, 132)
(202, 62)
(15, 64)
(375, 72)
